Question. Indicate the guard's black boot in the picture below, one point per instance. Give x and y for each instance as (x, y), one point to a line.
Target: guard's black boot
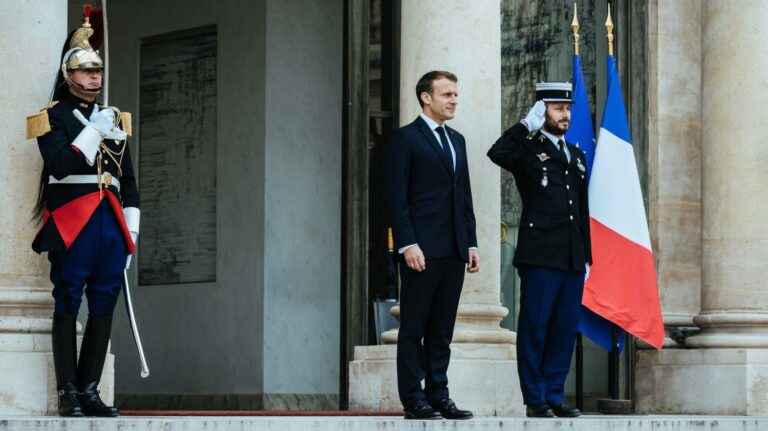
(92, 355)
(63, 337)
(93, 405)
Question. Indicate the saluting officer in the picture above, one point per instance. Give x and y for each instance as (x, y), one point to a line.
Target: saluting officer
(553, 247)
(88, 208)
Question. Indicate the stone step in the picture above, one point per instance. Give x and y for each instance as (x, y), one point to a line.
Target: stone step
(585, 423)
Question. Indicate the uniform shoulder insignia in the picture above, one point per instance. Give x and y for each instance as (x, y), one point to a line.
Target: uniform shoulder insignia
(39, 124)
(126, 124)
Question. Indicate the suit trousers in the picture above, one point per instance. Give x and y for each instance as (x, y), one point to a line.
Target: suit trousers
(550, 301)
(429, 301)
(96, 258)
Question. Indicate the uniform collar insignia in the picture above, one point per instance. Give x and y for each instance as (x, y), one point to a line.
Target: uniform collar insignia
(580, 165)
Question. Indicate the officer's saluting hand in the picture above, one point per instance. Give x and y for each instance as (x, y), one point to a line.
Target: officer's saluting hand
(535, 117)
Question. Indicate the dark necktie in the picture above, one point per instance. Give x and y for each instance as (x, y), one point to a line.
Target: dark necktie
(444, 144)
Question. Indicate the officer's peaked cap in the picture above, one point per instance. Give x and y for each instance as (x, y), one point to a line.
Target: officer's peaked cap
(554, 91)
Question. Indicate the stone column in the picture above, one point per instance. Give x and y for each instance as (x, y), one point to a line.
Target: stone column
(731, 352)
(33, 33)
(674, 134)
(464, 38)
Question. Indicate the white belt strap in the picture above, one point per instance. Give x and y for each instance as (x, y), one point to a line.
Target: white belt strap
(106, 179)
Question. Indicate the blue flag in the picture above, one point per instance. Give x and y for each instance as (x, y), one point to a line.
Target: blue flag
(581, 133)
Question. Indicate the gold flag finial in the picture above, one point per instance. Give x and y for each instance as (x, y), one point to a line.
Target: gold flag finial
(609, 30)
(575, 29)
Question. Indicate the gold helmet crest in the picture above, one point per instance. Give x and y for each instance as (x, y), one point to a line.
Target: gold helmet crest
(81, 54)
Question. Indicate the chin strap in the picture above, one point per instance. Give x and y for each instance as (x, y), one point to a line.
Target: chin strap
(82, 92)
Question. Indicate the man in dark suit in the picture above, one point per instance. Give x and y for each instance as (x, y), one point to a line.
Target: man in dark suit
(553, 246)
(434, 224)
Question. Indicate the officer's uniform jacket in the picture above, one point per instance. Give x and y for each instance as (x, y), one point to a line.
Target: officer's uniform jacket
(68, 207)
(554, 225)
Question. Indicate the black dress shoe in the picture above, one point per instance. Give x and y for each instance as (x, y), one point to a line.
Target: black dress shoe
(542, 411)
(92, 405)
(69, 405)
(565, 411)
(421, 410)
(448, 410)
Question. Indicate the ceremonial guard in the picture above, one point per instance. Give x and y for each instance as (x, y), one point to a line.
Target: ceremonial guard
(553, 247)
(88, 206)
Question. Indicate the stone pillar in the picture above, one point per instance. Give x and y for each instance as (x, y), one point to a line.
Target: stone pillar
(674, 134)
(464, 38)
(731, 352)
(33, 33)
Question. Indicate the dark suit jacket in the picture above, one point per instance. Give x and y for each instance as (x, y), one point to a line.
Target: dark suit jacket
(430, 204)
(554, 225)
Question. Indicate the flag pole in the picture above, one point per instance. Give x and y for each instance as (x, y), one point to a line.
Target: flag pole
(575, 29)
(579, 337)
(609, 31)
(613, 374)
(613, 356)
(615, 404)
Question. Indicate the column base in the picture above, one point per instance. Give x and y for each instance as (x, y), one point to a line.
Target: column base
(703, 381)
(482, 378)
(28, 385)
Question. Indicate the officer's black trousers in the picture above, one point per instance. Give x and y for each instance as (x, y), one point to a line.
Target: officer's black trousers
(428, 304)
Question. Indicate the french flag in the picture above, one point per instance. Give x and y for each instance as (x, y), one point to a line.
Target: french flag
(602, 332)
(621, 286)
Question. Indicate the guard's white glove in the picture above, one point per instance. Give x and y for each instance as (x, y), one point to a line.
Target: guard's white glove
(104, 123)
(132, 218)
(535, 118)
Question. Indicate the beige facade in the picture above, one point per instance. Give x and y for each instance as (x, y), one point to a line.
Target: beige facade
(710, 84)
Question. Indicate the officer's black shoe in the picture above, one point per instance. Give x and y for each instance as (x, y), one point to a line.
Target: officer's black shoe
(69, 405)
(92, 405)
(448, 410)
(565, 411)
(421, 410)
(542, 411)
